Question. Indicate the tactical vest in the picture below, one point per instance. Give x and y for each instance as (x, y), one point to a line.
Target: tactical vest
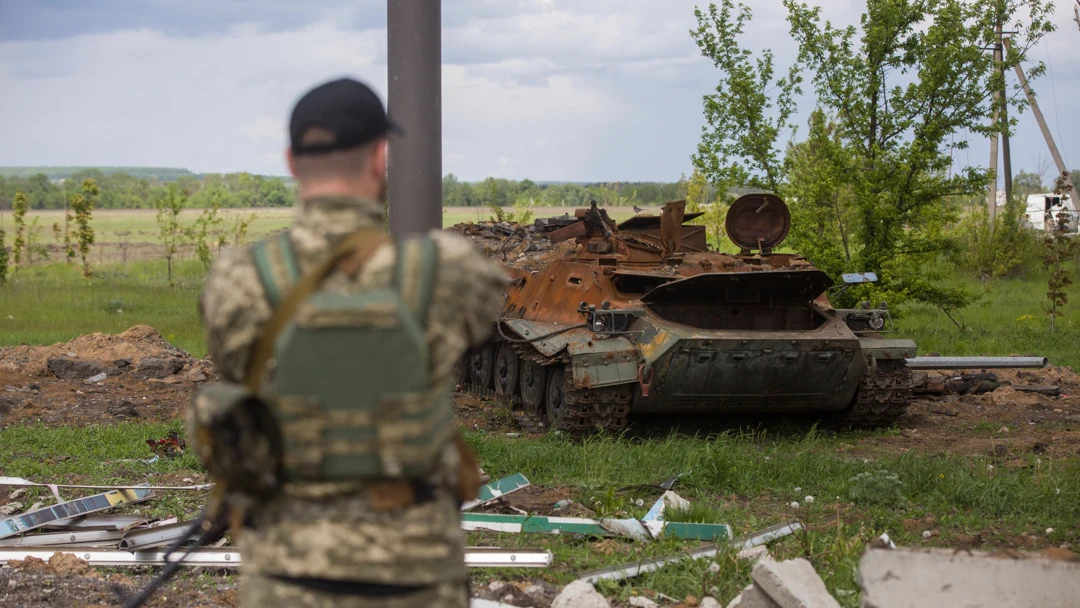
(351, 388)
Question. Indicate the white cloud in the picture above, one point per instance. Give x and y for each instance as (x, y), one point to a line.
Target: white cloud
(266, 128)
(547, 89)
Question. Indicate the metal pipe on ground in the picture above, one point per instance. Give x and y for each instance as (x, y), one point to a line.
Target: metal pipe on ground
(977, 362)
(475, 557)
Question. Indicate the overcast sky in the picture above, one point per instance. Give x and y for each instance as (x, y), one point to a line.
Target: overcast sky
(578, 90)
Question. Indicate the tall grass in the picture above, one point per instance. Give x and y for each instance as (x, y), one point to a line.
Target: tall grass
(48, 303)
(1010, 319)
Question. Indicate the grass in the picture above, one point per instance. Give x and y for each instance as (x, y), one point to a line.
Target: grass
(745, 480)
(1010, 320)
(48, 303)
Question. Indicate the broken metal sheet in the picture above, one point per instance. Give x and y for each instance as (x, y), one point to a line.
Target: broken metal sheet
(228, 558)
(494, 557)
(98, 522)
(18, 481)
(768, 535)
(98, 502)
(633, 569)
(214, 558)
(159, 536)
(92, 537)
(497, 489)
(477, 602)
(516, 524)
(668, 499)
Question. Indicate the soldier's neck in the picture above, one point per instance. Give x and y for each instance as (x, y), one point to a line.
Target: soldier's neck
(338, 188)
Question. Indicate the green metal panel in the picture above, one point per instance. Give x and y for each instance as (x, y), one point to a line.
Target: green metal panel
(496, 489)
(603, 362)
(590, 527)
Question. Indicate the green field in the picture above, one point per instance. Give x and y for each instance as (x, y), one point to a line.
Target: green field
(48, 303)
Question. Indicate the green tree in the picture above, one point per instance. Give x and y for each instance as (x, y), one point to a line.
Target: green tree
(906, 85)
(168, 220)
(822, 202)
(740, 142)
(83, 206)
(206, 226)
(18, 206)
(895, 93)
(3, 257)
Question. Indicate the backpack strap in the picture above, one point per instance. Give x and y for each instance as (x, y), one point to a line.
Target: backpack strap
(276, 264)
(360, 245)
(414, 274)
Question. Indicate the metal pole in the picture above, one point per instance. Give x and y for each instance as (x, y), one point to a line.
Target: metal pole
(991, 196)
(1042, 124)
(1005, 156)
(414, 61)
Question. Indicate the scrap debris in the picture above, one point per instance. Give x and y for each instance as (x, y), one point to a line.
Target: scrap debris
(496, 490)
(170, 446)
(632, 569)
(475, 557)
(98, 502)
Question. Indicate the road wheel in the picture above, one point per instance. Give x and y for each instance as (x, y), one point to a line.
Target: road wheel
(533, 385)
(507, 367)
(461, 370)
(555, 396)
(482, 367)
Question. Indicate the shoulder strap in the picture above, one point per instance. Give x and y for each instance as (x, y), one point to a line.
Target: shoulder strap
(414, 274)
(276, 264)
(361, 245)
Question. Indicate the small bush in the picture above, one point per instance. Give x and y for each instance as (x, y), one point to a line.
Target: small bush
(882, 488)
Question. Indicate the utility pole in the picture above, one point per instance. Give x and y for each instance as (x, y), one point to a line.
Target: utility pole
(1006, 157)
(414, 62)
(1042, 125)
(991, 195)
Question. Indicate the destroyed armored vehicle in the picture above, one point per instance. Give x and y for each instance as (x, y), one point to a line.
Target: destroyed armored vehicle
(604, 319)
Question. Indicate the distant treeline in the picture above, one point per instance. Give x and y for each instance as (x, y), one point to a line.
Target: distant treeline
(161, 173)
(506, 192)
(141, 188)
(127, 191)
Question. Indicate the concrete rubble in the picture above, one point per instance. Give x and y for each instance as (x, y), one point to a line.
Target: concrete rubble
(642, 602)
(580, 594)
(921, 578)
(791, 583)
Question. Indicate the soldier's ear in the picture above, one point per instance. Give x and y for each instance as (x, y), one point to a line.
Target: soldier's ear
(379, 158)
(290, 161)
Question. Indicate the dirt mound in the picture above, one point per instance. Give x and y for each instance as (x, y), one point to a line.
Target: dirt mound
(63, 564)
(141, 348)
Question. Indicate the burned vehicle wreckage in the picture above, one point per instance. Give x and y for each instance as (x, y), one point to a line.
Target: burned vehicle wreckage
(604, 319)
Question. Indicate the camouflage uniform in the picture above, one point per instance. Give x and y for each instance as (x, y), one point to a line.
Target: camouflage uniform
(327, 530)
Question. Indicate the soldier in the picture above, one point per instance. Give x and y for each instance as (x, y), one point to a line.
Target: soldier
(358, 376)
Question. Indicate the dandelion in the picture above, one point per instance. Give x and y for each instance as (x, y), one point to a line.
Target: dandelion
(809, 500)
(795, 505)
(941, 476)
(714, 567)
(926, 534)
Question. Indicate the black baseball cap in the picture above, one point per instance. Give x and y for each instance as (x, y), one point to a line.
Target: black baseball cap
(347, 108)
